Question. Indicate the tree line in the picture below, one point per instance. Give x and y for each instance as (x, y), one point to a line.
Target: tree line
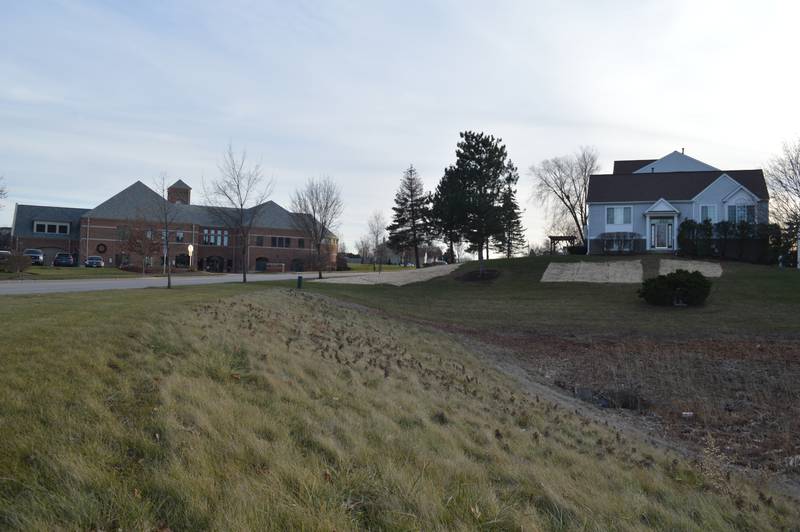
(475, 202)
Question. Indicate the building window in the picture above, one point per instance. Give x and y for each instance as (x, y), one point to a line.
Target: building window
(618, 215)
(260, 241)
(708, 212)
(123, 233)
(287, 242)
(179, 236)
(301, 243)
(742, 213)
(215, 237)
(51, 228)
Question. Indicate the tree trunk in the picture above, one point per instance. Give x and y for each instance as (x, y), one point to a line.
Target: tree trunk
(244, 264)
(416, 255)
(319, 261)
(480, 260)
(452, 253)
(169, 272)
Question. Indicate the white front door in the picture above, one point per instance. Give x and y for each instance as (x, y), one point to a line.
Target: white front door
(661, 232)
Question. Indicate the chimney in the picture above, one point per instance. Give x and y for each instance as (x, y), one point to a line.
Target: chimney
(179, 192)
(682, 151)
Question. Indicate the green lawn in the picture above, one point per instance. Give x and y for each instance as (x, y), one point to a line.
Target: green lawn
(253, 407)
(747, 299)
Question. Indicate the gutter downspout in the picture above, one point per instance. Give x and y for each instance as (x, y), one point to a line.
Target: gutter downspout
(88, 224)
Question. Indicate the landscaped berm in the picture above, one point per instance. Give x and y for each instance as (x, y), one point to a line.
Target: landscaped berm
(260, 407)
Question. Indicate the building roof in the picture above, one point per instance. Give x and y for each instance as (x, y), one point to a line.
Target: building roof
(25, 215)
(672, 186)
(139, 201)
(180, 184)
(629, 167)
(675, 162)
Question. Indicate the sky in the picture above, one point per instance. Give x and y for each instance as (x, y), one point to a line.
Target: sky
(97, 95)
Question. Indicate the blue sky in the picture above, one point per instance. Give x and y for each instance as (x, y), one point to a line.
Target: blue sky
(95, 95)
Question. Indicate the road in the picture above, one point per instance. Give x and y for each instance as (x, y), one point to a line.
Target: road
(125, 283)
(397, 278)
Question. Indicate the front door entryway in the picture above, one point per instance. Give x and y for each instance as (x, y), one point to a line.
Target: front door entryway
(661, 233)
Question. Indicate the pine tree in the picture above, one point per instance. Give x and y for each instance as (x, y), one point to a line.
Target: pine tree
(480, 168)
(511, 238)
(410, 223)
(448, 210)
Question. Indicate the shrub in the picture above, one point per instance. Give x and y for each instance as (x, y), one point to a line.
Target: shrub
(678, 289)
(576, 250)
(17, 264)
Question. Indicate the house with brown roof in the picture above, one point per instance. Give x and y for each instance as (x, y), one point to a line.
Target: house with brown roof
(640, 206)
(275, 241)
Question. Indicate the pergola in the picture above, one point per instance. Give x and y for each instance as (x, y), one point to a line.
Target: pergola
(557, 239)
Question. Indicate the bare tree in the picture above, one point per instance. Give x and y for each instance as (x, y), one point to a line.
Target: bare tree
(317, 208)
(3, 191)
(139, 238)
(363, 246)
(165, 212)
(561, 185)
(237, 198)
(783, 179)
(376, 225)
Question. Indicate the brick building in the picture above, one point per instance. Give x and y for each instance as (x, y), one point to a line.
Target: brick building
(275, 242)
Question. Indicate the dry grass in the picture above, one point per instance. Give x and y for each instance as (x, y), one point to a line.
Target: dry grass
(276, 409)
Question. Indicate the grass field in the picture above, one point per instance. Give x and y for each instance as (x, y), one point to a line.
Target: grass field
(747, 299)
(734, 363)
(252, 407)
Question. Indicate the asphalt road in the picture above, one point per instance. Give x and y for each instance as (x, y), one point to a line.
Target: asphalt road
(91, 285)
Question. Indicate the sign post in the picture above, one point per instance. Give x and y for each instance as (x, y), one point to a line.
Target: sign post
(190, 249)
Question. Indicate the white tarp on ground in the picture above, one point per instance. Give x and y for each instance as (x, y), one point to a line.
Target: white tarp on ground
(396, 278)
(709, 269)
(618, 271)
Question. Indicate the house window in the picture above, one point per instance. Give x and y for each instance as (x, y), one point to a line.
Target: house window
(741, 213)
(287, 242)
(260, 241)
(179, 236)
(51, 228)
(274, 241)
(708, 212)
(123, 233)
(618, 215)
(301, 243)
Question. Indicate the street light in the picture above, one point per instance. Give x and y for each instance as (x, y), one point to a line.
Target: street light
(190, 249)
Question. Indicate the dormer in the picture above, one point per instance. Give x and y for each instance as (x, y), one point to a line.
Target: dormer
(179, 193)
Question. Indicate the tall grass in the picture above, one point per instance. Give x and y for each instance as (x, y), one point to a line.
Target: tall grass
(216, 408)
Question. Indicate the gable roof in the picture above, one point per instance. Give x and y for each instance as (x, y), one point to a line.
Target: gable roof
(662, 205)
(25, 215)
(629, 167)
(675, 162)
(180, 184)
(672, 186)
(139, 201)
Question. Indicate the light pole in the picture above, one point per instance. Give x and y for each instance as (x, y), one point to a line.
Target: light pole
(190, 249)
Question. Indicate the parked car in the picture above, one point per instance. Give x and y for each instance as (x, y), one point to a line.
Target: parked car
(4, 255)
(63, 259)
(94, 262)
(36, 255)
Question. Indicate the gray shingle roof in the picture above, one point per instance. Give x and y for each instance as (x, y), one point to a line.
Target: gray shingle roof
(25, 215)
(139, 201)
(180, 184)
(630, 166)
(672, 186)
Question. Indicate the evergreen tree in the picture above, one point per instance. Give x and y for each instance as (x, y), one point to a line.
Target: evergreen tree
(410, 223)
(480, 168)
(511, 238)
(448, 210)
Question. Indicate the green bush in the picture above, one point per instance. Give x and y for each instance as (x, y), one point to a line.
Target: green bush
(676, 289)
